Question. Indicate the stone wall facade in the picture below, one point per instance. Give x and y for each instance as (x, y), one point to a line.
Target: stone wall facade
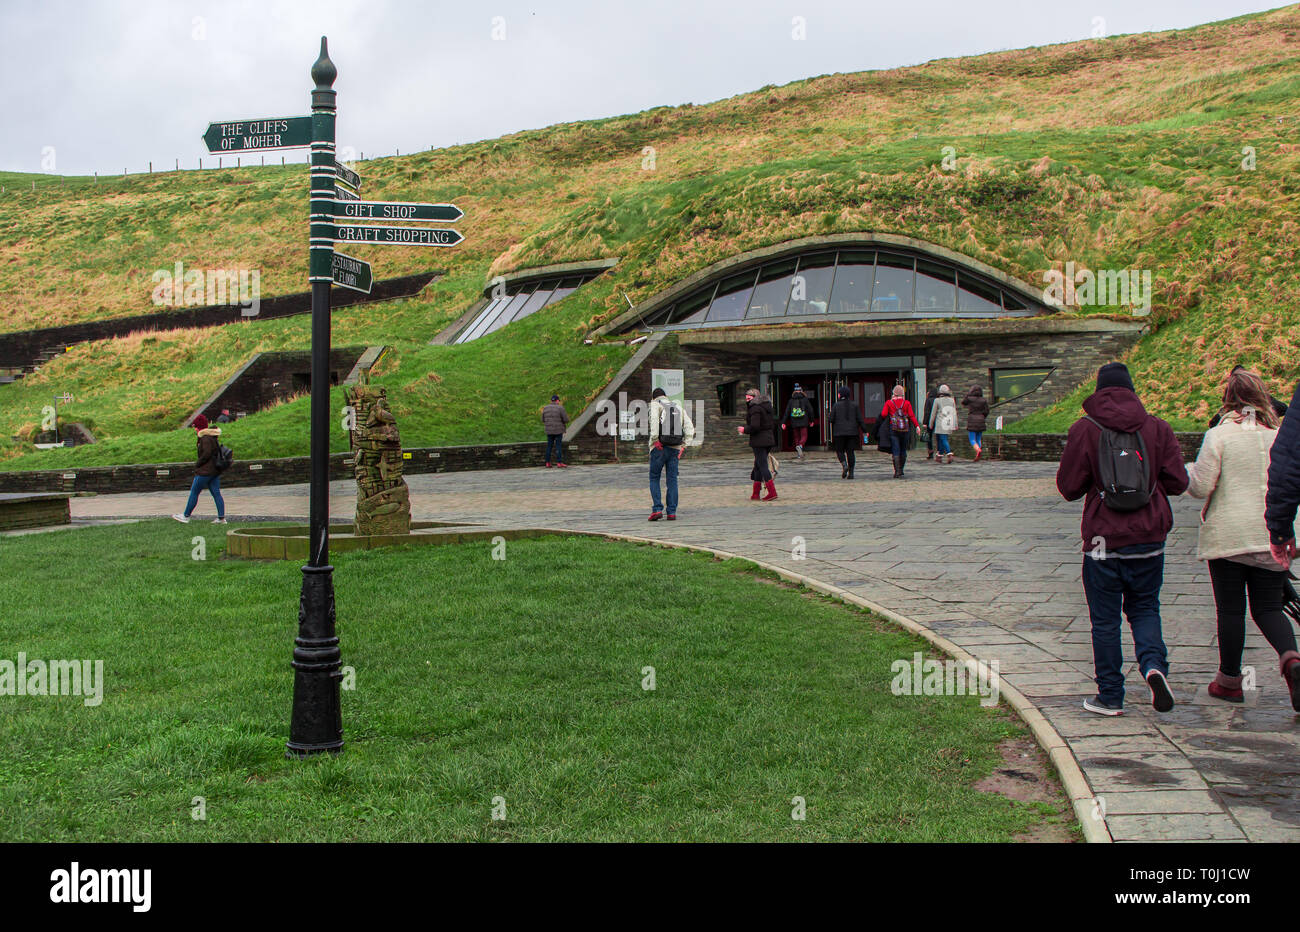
(272, 377)
(1075, 356)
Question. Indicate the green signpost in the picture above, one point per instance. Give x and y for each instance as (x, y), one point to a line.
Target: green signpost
(316, 724)
(245, 135)
(352, 273)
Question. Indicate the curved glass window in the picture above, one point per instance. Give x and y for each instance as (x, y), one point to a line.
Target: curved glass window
(893, 285)
(810, 292)
(732, 298)
(772, 292)
(853, 276)
(864, 282)
(520, 300)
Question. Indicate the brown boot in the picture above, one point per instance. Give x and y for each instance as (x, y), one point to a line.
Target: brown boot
(771, 491)
(757, 486)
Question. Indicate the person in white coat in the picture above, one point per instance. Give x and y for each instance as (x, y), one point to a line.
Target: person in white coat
(1231, 474)
(943, 421)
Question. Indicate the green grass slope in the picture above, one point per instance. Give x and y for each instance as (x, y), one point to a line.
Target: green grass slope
(1118, 153)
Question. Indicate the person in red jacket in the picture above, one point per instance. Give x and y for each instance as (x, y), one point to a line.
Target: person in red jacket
(899, 419)
(1124, 551)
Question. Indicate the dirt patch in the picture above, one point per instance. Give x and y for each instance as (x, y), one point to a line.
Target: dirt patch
(1026, 775)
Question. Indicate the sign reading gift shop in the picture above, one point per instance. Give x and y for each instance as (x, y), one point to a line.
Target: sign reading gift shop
(672, 381)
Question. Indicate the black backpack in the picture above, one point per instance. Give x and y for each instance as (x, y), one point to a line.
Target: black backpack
(1125, 474)
(671, 432)
(223, 458)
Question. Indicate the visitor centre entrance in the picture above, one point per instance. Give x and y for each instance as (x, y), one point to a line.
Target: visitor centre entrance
(870, 380)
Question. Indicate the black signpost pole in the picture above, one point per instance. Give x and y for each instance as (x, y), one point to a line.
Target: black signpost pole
(317, 722)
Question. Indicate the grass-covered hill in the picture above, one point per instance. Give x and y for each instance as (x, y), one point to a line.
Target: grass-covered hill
(1129, 152)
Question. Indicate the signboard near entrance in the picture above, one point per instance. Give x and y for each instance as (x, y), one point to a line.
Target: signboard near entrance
(672, 381)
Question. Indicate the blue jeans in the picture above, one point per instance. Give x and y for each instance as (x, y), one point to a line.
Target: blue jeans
(941, 443)
(213, 485)
(664, 460)
(976, 437)
(1133, 586)
(556, 441)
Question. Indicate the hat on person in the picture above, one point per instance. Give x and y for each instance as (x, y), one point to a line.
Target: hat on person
(943, 390)
(844, 391)
(201, 423)
(1114, 375)
(658, 392)
(555, 398)
(798, 387)
(899, 391)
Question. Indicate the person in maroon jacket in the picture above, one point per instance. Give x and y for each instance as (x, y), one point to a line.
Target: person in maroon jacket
(1124, 551)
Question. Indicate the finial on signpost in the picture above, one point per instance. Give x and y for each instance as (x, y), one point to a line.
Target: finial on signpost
(323, 73)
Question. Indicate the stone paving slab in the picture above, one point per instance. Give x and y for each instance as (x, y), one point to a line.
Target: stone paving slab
(985, 554)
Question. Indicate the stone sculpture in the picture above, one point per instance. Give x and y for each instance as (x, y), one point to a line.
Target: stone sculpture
(383, 500)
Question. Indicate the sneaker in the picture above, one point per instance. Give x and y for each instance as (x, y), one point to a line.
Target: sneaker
(1101, 708)
(1162, 700)
(671, 517)
(219, 521)
(563, 465)
(549, 465)
(978, 453)
(182, 519)
(1226, 693)
(655, 515)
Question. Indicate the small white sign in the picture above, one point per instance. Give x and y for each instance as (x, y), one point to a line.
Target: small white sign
(254, 467)
(997, 425)
(627, 426)
(162, 472)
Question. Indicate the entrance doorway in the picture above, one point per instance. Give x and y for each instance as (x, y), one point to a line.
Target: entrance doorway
(869, 389)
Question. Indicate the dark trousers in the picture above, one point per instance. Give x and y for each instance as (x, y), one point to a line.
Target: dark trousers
(899, 440)
(556, 441)
(846, 450)
(213, 485)
(800, 436)
(760, 472)
(1116, 585)
(664, 461)
(1232, 582)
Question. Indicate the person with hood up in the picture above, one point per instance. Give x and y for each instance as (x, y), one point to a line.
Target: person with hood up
(847, 424)
(943, 421)
(798, 415)
(206, 474)
(554, 420)
(1124, 528)
(899, 419)
(977, 415)
(1233, 539)
(760, 426)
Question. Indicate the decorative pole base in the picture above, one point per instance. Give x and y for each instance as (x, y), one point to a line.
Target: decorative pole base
(317, 722)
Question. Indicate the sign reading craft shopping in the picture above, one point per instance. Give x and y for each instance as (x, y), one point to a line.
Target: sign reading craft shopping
(398, 236)
(247, 135)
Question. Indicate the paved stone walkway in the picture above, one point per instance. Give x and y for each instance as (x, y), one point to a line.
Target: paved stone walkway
(985, 554)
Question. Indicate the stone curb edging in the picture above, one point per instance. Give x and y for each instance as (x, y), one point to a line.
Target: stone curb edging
(1095, 830)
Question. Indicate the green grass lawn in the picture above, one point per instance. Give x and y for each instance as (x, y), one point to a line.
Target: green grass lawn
(475, 679)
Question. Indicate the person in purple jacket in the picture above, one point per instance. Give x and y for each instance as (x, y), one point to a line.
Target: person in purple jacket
(1124, 550)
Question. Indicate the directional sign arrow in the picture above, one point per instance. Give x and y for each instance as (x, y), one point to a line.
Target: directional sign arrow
(398, 236)
(243, 135)
(344, 194)
(352, 273)
(396, 210)
(347, 176)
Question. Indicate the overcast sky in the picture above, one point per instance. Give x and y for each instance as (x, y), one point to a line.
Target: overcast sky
(103, 85)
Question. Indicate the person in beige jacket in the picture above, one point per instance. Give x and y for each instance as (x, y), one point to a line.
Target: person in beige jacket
(1231, 473)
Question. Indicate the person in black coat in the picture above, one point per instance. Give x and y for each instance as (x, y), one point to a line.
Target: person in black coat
(925, 422)
(847, 424)
(798, 416)
(1284, 486)
(760, 426)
